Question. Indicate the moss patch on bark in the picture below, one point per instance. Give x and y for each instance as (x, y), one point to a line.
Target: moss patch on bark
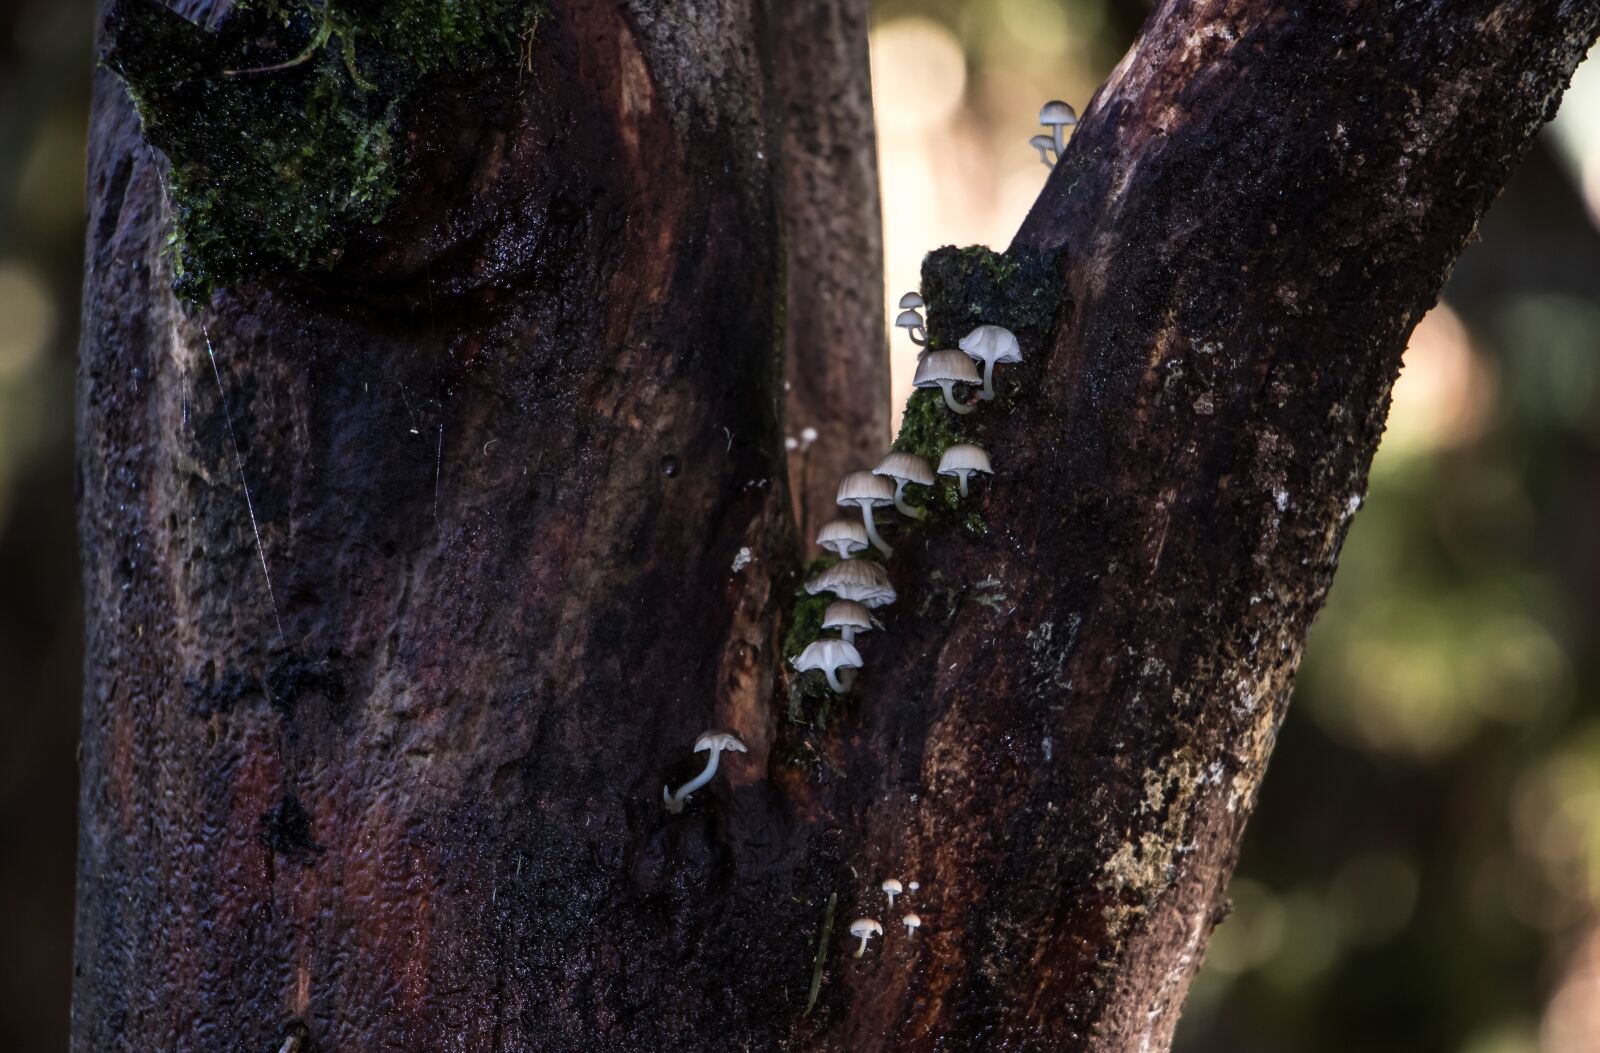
(280, 125)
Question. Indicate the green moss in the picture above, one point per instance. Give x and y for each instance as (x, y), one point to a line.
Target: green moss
(967, 287)
(280, 126)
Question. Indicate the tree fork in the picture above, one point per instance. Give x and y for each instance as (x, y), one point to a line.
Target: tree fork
(501, 459)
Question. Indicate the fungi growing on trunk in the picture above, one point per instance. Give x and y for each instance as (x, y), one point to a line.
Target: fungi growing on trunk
(991, 344)
(716, 742)
(860, 580)
(911, 322)
(865, 928)
(829, 656)
(843, 537)
(849, 617)
(912, 924)
(1045, 145)
(961, 460)
(892, 888)
(905, 468)
(866, 491)
(1058, 117)
(944, 370)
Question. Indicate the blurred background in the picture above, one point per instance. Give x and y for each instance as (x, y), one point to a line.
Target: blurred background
(1423, 873)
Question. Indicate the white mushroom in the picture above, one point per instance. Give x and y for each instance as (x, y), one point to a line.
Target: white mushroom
(1045, 145)
(861, 580)
(911, 322)
(911, 302)
(829, 656)
(991, 345)
(865, 928)
(849, 617)
(892, 888)
(912, 924)
(944, 370)
(905, 468)
(961, 460)
(866, 491)
(1058, 117)
(716, 742)
(843, 537)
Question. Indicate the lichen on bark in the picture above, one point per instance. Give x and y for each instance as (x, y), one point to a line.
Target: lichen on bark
(280, 125)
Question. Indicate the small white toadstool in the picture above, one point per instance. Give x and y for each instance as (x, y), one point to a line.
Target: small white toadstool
(892, 888)
(912, 924)
(829, 656)
(716, 742)
(843, 537)
(861, 580)
(849, 617)
(944, 370)
(911, 322)
(961, 460)
(991, 345)
(905, 468)
(1058, 117)
(1045, 145)
(911, 302)
(865, 928)
(914, 886)
(866, 491)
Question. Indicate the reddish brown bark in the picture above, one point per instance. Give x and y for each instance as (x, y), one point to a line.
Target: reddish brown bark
(503, 459)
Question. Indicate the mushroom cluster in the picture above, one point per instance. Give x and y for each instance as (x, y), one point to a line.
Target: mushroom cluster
(865, 929)
(858, 585)
(1058, 117)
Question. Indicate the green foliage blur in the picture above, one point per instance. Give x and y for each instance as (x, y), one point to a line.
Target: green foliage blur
(1423, 872)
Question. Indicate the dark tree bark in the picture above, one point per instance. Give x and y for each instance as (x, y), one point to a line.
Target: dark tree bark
(498, 465)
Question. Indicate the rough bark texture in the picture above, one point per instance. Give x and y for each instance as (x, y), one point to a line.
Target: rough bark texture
(836, 358)
(503, 457)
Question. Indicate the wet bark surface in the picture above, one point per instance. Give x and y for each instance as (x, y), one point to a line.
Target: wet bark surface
(498, 466)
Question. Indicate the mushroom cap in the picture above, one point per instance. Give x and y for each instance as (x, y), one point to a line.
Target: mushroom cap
(943, 367)
(721, 740)
(859, 489)
(861, 580)
(964, 457)
(907, 466)
(843, 536)
(828, 654)
(908, 320)
(911, 300)
(992, 343)
(865, 927)
(846, 614)
(892, 885)
(911, 921)
(1042, 142)
(1057, 112)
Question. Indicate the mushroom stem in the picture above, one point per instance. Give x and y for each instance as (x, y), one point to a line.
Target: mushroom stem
(1043, 156)
(863, 948)
(872, 530)
(900, 501)
(847, 633)
(833, 681)
(948, 387)
(921, 341)
(891, 894)
(963, 477)
(1058, 132)
(676, 802)
(988, 381)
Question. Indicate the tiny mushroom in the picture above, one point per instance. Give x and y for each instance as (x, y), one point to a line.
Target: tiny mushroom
(911, 322)
(912, 924)
(1058, 116)
(865, 928)
(861, 580)
(944, 370)
(849, 617)
(991, 345)
(830, 656)
(1045, 145)
(961, 460)
(911, 302)
(892, 888)
(867, 491)
(843, 537)
(716, 742)
(905, 468)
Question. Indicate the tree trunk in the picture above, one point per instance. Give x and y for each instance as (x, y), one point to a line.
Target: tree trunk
(406, 602)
